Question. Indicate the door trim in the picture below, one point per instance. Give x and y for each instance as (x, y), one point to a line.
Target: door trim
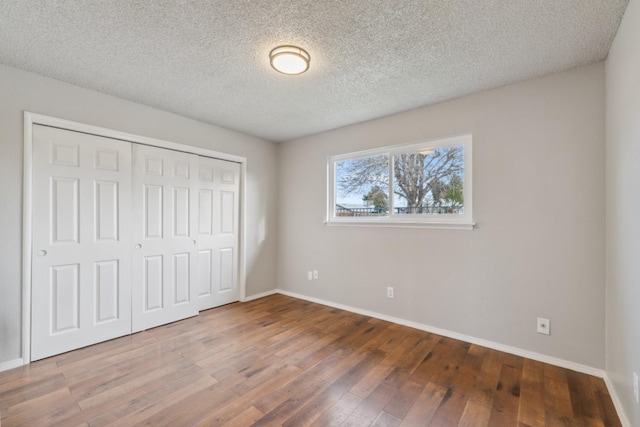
(31, 119)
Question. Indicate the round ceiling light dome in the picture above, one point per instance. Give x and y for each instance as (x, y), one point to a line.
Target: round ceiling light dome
(289, 60)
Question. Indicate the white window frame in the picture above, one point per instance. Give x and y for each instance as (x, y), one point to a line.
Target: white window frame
(456, 221)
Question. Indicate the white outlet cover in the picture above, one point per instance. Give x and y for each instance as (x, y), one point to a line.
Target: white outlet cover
(309, 275)
(544, 326)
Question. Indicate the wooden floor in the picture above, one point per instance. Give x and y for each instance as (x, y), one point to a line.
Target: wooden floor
(283, 361)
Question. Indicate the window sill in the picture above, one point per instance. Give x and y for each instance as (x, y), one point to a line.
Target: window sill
(404, 224)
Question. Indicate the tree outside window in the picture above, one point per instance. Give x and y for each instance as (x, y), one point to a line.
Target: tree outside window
(425, 182)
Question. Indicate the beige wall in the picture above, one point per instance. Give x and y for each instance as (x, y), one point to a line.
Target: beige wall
(20, 91)
(623, 210)
(538, 250)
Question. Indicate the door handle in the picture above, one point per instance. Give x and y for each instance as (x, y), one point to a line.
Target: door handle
(194, 242)
(42, 252)
(139, 246)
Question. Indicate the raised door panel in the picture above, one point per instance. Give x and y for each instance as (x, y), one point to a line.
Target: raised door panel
(106, 159)
(153, 280)
(65, 300)
(181, 212)
(64, 210)
(153, 211)
(205, 211)
(106, 211)
(107, 288)
(205, 272)
(181, 278)
(227, 268)
(227, 212)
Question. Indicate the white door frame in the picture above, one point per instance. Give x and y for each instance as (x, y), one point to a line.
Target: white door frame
(31, 119)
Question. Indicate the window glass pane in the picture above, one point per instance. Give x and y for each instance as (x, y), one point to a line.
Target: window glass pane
(429, 182)
(362, 186)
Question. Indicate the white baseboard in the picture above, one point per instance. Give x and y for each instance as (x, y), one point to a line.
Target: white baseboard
(616, 401)
(458, 336)
(260, 295)
(5, 366)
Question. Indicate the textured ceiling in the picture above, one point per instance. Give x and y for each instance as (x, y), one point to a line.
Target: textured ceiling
(369, 58)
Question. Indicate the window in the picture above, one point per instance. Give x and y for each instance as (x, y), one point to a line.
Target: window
(422, 184)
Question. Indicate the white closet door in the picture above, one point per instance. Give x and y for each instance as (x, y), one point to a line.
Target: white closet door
(165, 255)
(218, 213)
(81, 240)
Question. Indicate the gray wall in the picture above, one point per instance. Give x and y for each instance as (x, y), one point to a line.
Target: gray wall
(538, 250)
(623, 210)
(20, 91)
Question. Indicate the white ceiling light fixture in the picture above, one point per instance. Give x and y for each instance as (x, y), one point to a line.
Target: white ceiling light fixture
(289, 60)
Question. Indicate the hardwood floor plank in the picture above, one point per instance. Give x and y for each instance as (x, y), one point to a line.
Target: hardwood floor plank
(339, 411)
(404, 399)
(283, 361)
(426, 343)
(372, 379)
(113, 363)
(506, 399)
(480, 403)
(248, 417)
(137, 370)
(264, 371)
(40, 405)
(385, 419)
(605, 404)
(137, 398)
(531, 403)
(290, 402)
(475, 414)
(390, 366)
(139, 409)
(24, 375)
(558, 410)
(53, 417)
(308, 356)
(371, 407)
(393, 338)
(135, 384)
(274, 379)
(308, 413)
(30, 391)
(453, 404)
(303, 385)
(583, 402)
(191, 409)
(438, 364)
(425, 406)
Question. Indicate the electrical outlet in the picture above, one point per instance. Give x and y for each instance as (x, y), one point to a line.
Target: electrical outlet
(544, 326)
(390, 292)
(636, 394)
(315, 274)
(309, 275)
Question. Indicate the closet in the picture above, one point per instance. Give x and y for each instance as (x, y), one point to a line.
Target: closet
(125, 237)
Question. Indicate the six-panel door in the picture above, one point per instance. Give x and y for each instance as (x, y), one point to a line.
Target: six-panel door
(218, 204)
(165, 255)
(81, 278)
